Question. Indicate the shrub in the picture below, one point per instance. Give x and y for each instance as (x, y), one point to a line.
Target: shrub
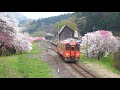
(117, 59)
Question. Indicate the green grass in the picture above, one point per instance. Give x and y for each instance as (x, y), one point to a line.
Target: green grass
(26, 65)
(106, 62)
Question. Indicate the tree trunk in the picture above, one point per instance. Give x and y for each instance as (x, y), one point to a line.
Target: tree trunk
(99, 55)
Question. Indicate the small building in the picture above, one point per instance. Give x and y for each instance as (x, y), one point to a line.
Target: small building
(49, 36)
(65, 32)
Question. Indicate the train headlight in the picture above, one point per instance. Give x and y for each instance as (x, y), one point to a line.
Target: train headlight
(77, 53)
(67, 54)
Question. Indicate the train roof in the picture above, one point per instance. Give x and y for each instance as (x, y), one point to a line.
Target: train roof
(70, 40)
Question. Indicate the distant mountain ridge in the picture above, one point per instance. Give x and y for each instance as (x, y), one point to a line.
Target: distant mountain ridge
(44, 24)
(14, 15)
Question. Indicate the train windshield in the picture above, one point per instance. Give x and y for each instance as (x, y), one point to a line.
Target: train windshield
(77, 47)
(72, 48)
(67, 46)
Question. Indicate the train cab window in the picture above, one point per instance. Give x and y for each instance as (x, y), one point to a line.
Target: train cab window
(72, 48)
(67, 46)
(77, 47)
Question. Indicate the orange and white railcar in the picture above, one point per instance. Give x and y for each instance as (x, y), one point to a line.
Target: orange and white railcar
(69, 50)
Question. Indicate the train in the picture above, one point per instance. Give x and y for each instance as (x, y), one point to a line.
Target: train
(69, 50)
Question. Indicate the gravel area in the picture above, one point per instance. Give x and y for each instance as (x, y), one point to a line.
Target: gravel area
(60, 69)
(102, 70)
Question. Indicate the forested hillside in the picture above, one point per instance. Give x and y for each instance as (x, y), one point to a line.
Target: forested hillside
(93, 21)
(82, 21)
(43, 25)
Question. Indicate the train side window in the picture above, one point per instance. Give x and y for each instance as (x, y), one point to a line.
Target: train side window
(77, 47)
(67, 46)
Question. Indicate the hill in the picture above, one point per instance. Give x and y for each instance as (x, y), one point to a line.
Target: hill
(14, 15)
(84, 22)
(43, 24)
(93, 21)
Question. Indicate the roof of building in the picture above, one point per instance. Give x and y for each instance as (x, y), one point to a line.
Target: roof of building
(49, 34)
(70, 40)
(64, 27)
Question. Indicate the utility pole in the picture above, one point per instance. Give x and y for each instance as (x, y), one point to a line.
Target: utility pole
(58, 32)
(87, 45)
(93, 28)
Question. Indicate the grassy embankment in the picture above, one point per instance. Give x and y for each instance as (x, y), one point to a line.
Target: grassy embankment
(106, 62)
(26, 65)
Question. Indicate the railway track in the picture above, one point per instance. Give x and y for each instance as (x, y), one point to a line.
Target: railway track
(82, 71)
(53, 47)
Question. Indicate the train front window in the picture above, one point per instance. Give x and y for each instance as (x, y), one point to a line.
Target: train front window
(72, 48)
(77, 47)
(67, 46)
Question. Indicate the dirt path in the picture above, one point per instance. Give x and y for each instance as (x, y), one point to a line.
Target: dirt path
(102, 70)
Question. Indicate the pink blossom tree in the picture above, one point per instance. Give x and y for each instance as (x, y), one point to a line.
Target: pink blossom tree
(23, 42)
(11, 39)
(7, 34)
(100, 42)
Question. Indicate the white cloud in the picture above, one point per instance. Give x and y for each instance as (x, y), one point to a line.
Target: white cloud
(36, 15)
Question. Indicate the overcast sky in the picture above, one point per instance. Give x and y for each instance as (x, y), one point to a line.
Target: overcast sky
(36, 15)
